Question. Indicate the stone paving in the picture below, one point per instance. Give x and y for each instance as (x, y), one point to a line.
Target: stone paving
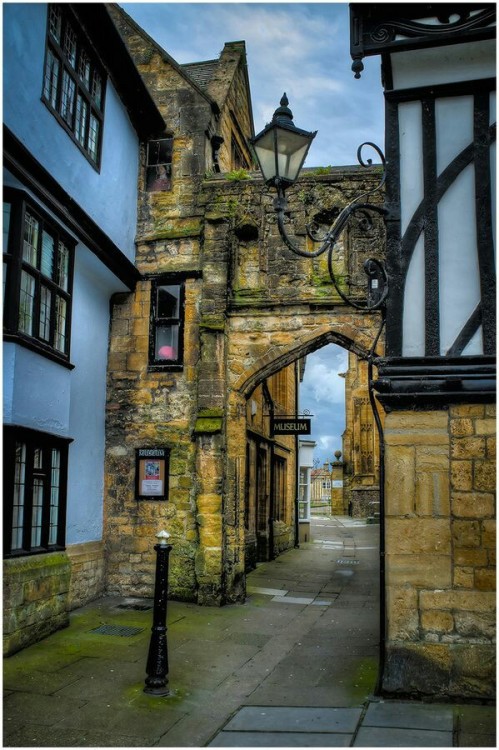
(295, 665)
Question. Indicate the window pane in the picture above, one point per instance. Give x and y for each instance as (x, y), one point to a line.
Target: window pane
(30, 244)
(47, 264)
(63, 266)
(55, 22)
(159, 158)
(51, 80)
(67, 98)
(84, 68)
(60, 324)
(6, 226)
(70, 45)
(54, 496)
(167, 343)
(26, 303)
(18, 502)
(36, 516)
(97, 89)
(45, 303)
(81, 120)
(159, 178)
(168, 302)
(93, 137)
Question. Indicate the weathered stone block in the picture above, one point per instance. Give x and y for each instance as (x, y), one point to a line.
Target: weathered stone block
(466, 533)
(463, 577)
(469, 447)
(462, 475)
(417, 535)
(473, 505)
(437, 621)
(485, 579)
(466, 601)
(485, 476)
(419, 570)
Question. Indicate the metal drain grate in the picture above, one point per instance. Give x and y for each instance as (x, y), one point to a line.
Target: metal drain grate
(347, 562)
(126, 631)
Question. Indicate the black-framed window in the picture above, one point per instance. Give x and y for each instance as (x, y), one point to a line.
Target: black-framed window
(35, 491)
(38, 260)
(74, 82)
(167, 323)
(159, 165)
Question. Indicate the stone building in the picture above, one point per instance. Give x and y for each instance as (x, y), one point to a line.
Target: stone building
(360, 443)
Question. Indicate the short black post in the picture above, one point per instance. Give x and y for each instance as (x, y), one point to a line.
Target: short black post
(157, 660)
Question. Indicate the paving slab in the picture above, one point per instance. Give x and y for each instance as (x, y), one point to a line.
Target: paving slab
(390, 737)
(280, 739)
(409, 715)
(285, 719)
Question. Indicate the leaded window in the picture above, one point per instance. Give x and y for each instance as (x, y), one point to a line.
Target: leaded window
(74, 82)
(35, 476)
(38, 261)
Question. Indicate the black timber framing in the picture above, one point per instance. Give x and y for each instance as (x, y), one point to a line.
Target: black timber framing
(380, 27)
(401, 248)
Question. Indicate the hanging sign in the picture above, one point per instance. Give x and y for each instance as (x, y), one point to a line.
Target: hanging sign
(295, 426)
(151, 473)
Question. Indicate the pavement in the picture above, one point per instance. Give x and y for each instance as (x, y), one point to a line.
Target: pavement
(294, 666)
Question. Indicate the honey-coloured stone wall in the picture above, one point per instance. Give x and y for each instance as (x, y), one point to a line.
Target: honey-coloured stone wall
(440, 552)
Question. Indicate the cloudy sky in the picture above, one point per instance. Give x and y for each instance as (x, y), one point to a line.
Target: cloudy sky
(300, 48)
(303, 49)
(323, 394)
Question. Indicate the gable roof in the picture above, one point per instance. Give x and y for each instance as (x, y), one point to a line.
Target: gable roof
(201, 72)
(115, 8)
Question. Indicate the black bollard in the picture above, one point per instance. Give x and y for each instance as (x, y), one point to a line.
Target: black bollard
(157, 660)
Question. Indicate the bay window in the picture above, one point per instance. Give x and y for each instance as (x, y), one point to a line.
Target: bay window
(38, 263)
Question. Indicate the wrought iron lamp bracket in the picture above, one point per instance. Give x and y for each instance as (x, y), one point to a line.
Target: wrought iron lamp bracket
(373, 267)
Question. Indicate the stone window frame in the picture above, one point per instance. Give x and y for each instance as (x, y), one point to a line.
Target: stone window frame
(52, 290)
(74, 82)
(35, 492)
(177, 322)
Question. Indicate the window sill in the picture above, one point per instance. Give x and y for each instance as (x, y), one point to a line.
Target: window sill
(31, 553)
(165, 368)
(39, 348)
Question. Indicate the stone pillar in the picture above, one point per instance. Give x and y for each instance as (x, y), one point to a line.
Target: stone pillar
(337, 495)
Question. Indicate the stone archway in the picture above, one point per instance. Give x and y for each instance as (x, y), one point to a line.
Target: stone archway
(262, 345)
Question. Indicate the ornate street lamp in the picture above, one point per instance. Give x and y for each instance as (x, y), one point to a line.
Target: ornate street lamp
(281, 149)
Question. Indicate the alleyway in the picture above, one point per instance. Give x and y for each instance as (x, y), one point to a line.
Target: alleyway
(294, 666)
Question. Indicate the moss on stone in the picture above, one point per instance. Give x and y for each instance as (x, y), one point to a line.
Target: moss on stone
(175, 232)
(212, 323)
(208, 424)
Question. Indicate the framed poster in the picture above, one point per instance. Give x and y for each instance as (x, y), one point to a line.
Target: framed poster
(151, 473)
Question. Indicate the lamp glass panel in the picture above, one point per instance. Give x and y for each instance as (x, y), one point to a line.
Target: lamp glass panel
(292, 149)
(264, 150)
